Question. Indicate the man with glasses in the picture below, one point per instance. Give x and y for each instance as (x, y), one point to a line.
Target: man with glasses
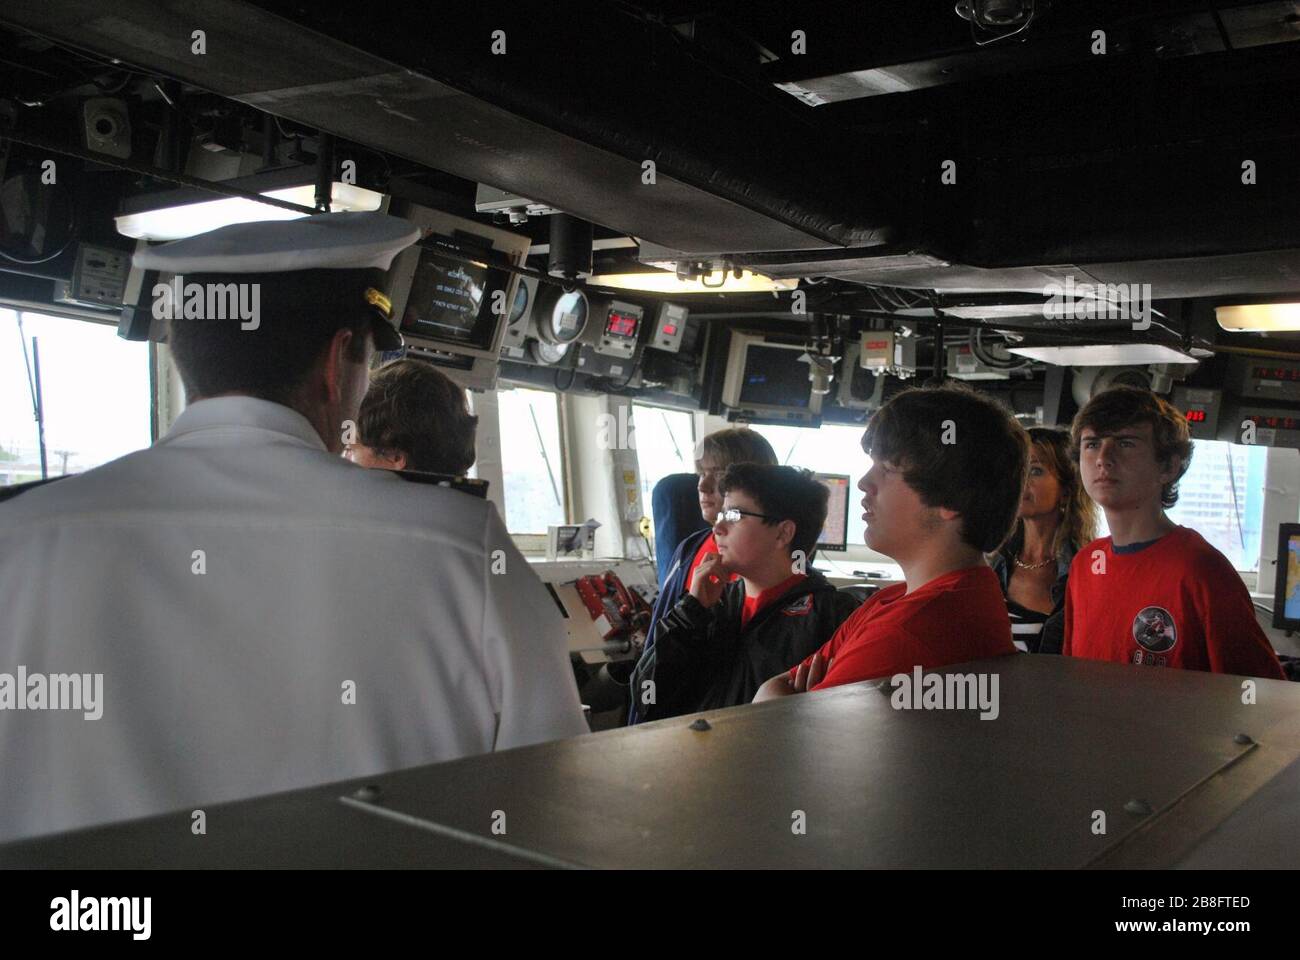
(723, 638)
(716, 452)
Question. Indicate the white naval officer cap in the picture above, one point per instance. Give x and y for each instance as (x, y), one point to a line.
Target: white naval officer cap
(294, 255)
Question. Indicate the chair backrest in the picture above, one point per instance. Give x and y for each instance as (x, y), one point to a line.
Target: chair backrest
(675, 508)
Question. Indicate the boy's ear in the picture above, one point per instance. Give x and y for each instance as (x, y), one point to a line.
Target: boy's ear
(947, 514)
(788, 530)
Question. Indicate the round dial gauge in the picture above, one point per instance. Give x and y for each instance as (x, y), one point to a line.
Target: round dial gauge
(562, 318)
(549, 353)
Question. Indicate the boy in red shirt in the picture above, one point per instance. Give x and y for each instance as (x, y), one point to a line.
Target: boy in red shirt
(1152, 593)
(948, 470)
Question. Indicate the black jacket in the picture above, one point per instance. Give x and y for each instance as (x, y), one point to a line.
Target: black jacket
(703, 659)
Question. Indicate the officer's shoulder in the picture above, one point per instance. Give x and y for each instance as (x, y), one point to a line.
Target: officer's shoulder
(467, 485)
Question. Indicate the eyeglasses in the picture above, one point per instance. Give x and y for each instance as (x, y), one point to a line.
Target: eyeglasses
(733, 515)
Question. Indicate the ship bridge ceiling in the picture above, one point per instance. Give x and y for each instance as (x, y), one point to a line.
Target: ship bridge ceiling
(889, 143)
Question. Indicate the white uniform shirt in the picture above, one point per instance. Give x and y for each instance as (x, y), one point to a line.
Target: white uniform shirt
(230, 683)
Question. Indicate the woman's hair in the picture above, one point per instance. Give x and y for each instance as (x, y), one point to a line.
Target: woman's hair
(1112, 410)
(736, 445)
(1078, 524)
(414, 408)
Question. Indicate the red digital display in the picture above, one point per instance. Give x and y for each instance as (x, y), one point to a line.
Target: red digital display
(1276, 373)
(670, 329)
(1195, 416)
(621, 325)
(1276, 423)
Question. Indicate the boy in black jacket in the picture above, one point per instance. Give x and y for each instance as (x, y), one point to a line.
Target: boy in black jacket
(721, 641)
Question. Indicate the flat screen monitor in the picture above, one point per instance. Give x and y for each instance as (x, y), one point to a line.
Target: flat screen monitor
(453, 291)
(450, 302)
(1286, 590)
(768, 378)
(835, 533)
(773, 377)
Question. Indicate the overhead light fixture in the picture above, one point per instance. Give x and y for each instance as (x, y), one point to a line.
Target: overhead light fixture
(661, 281)
(176, 214)
(1259, 317)
(1104, 354)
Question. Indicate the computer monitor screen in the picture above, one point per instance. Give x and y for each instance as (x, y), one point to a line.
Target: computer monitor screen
(1286, 593)
(835, 533)
(446, 299)
(774, 377)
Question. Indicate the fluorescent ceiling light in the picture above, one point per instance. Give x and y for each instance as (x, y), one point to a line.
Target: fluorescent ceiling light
(661, 281)
(178, 221)
(1259, 317)
(1104, 354)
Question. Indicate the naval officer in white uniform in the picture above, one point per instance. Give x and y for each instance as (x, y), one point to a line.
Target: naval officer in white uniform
(257, 613)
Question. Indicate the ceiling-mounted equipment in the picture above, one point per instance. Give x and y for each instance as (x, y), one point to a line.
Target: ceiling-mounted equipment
(450, 292)
(1090, 381)
(548, 353)
(1201, 408)
(520, 319)
(98, 278)
(106, 127)
(615, 328)
(560, 316)
(1258, 317)
(518, 209)
(1109, 354)
(188, 211)
(963, 364)
(702, 278)
(996, 14)
(765, 382)
(670, 324)
(570, 253)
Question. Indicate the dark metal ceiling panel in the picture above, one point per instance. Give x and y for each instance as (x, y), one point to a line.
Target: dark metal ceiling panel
(280, 66)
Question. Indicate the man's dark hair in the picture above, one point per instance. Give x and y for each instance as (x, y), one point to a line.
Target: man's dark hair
(298, 317)
(958, 449)
(1123, 406)
(787, 493)
(415, 408)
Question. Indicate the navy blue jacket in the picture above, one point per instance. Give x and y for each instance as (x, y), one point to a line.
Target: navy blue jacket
(673, 588)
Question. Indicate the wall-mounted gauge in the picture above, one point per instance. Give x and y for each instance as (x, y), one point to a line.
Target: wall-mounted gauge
(517, 324)
(548, 353)
(561, 316)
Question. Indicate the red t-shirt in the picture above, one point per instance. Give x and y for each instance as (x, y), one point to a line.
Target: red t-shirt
(752, 605)
(1176, 603)
(708, 545)
(957, 617)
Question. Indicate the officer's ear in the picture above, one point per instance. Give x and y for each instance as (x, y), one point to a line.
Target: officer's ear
(341, 349)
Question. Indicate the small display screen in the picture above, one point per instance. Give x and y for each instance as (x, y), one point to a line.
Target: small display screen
(774, 377)
(1195, 416)
(835, 533)
(1274, 423)
(1276, 373)
(1291, 600)
(621, 325)
(452, 301)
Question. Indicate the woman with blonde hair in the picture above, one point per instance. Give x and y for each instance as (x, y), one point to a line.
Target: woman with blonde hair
(1056, 518)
